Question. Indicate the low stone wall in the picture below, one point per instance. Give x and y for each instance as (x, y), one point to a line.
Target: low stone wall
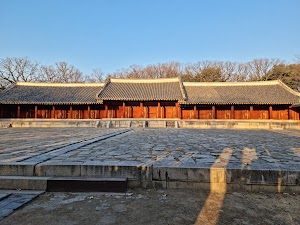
(239, 124)
(153, 123)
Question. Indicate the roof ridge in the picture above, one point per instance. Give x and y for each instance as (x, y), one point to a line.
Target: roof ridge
(244, 83)
(43, 84)
(107, 82)
(149, 80)
(288, 88)
(182, 89)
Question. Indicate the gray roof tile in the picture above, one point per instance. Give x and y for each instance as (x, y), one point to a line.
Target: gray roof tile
(44, 93)
(143, 90)
(261, 92)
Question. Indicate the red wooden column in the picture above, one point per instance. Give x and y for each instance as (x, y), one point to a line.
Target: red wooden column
(195, 112)
(251, 111)
(180, 112)
(35, 112)
(89, 111)
(71, 112)
(163, 112)
(131, 111)
(106, 110)
(53, 112)
(213, 112)
(290, 113)
(123, 109)
(142, 109)
(19, 112)
(146, 111)
(270, 112)
(232, 112)
(176, 110)
(158, 110)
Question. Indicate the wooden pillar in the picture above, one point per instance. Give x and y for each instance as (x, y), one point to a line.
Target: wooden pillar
(195, 112)
(163, 112)
(158, 110)
(232, 112)
(106, 110)
(176, 110)
(270, 112)
(123, 109)
(89, 111)
(35, 112)
(251, 111)
(290, 117)
(146, 111)
(71, 112)
(213, 112)
(142, 109)
(19, 112)
(53, 112)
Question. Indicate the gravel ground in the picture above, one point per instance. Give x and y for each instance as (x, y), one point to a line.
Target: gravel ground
(150, 207)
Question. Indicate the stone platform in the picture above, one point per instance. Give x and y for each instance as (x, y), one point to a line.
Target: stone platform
(206, 159)
(151, 123)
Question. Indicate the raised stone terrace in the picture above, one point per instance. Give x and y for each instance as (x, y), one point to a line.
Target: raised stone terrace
(252, 160)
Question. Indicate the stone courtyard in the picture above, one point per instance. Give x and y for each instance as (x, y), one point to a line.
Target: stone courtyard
(252, 149)
(238, 161)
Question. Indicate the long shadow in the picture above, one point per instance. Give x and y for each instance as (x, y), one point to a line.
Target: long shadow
(210, 212)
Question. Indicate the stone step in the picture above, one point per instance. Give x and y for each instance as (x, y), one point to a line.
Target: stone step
(64, 184)
(85, 184)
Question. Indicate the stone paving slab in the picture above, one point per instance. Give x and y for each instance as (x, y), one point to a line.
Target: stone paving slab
(189, 148)
(14, 200)
(188, 155)
(17, 145)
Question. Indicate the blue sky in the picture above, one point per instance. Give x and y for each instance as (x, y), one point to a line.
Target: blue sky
(112, 34)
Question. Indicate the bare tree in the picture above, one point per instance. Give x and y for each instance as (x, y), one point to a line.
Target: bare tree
(297, 59)
(260, 68)
(95, 76)
(17, 69)
(61, 72)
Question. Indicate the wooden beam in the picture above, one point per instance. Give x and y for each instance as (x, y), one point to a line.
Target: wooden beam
(19, 112)
(213, 112)
(270, 112)
(158, 110)
(251, 111)
(195, 112)
(232, 112)
(35, 112)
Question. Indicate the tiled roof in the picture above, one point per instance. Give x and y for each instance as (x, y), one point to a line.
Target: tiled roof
(260, 92)
(143, 90)
(50, 93)
(263, 92)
